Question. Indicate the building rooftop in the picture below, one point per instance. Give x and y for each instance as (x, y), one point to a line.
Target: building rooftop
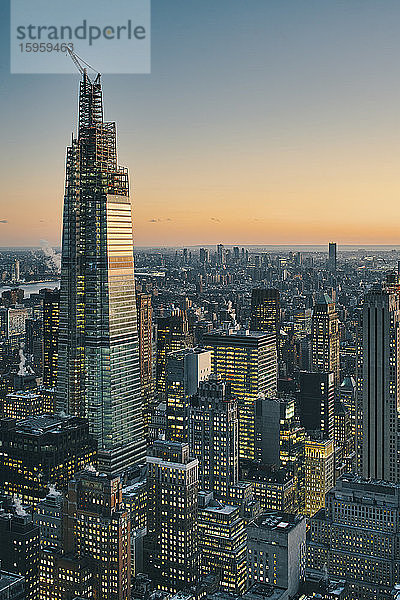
(239, 333)
(378, 486)
(258, 591)
(324, 299)
(41, 424)
(26, 395)
(276, 520)
(9, 579)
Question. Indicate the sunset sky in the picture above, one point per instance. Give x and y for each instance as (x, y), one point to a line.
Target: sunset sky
(262, 122)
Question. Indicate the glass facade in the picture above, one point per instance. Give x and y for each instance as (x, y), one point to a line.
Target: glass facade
(99, 374)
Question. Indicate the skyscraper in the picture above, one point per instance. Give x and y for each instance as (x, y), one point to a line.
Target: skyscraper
(213, 437)
(222, 543)
(221, 255)
(316, 401)
(325, 338)
(276, 550)
(332, 256)
(319, 473)
(171, 546)
(98, 364)
(378, 368)
(248, 361)
(97, 528)
(265, 310)
(347, 395)
(19, 548)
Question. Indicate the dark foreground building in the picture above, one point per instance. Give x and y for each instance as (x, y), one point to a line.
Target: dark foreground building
(43, 450)
(357, 537)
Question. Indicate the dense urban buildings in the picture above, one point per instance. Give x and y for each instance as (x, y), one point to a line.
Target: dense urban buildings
(218, 423)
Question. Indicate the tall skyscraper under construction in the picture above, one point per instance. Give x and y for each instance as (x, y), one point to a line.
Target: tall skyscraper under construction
(98, 367)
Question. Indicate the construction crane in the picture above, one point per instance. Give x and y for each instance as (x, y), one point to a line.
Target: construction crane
(77, 60)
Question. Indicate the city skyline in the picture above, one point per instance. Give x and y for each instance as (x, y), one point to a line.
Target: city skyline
(287, 110)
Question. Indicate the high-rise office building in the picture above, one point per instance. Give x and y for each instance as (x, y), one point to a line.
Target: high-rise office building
(379, 387)
(332, 256)
(171, 545)
(265, 311)
(214, 437)
(319, 473)
(98, 355)
(15, 271)
(20, 547)
(97, 529)
(43, 450)
(20, 405)
(221, 254)
(222, 543)
(281, 439)
(302, 318)
(345, 456)
(276, 550)
(274, 489)
(316, 401)
(145, 328)
(85, 541)
(65, 577)
(51, 323)
(325, 338)
(48, 517)
(12, 325)
(357, 537)
(185, 370)
(248, 361)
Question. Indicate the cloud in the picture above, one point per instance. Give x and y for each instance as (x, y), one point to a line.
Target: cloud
(3, 221)
(159, 220)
